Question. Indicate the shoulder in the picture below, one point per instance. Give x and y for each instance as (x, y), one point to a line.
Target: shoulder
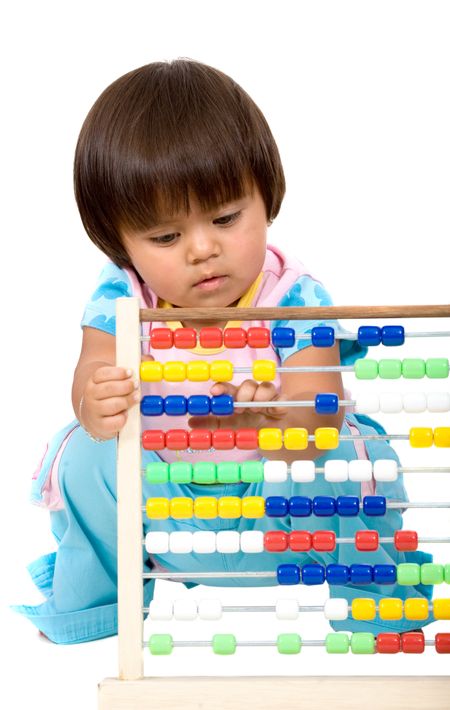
(112, 283)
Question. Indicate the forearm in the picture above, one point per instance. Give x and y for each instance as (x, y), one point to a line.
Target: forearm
(82, 374)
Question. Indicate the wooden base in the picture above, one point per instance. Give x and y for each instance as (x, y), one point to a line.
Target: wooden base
(258, 693)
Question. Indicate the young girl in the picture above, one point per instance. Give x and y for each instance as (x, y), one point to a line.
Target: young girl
(177, 177)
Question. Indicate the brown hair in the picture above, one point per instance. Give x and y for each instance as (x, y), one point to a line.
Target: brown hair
(163, 131)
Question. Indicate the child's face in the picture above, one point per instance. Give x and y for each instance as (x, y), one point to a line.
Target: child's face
(204, 259)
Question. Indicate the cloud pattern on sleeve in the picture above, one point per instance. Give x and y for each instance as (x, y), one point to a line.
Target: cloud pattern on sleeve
(100, 311)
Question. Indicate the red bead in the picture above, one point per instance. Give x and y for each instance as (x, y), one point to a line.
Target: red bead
(247, 439)
(177, 439)
(223, 439)
(185, 338)
(200, 439)
(258, 337)
(324, 540)
(389, 643)
(413, 642)
(276, 541)
(442, 643)
(211, 338)
(406, 540)
(161, 338)
(153, 440)
(300, 540)
(234, 338)
(366, 540)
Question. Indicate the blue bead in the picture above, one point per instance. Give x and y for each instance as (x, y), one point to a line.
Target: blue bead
(322, 336)
(369, 335)
(313, 574)
(338, 574)
(283, 337)
(324, 506)
(152, 406)
(384, 574)
(374, 505)
(300, 506)
(361, 574)
(327, 403)
(393, 335)
(288, 574)
(277, 506)
(175, 404)
(198, 404)
(222, 404)
(347, 506)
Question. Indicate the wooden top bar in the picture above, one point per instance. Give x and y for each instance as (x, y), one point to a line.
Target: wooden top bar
(289, 313)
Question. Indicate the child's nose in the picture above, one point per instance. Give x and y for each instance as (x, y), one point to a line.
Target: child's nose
(202, 245)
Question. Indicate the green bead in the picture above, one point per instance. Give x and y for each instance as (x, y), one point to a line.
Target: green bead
(437, 367)
(157, 472)
(289, 643)
(363, 642)
(408, 574)
(160, 644)
(447, 574)
(180, 472)
(252, 471)
(224, 644)
(204, 472)
(431, 573)
(228, 472)
(413, 368)
(337, 643)
(390, 369)
(366, 369)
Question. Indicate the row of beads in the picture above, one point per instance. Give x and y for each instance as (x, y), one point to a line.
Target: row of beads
(406, 573)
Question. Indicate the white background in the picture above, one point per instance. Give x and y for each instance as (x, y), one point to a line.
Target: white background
(357, 97)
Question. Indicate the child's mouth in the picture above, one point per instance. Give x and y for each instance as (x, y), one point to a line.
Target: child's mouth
(211, 284)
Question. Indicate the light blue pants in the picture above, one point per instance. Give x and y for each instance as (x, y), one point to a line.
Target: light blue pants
(79, 580)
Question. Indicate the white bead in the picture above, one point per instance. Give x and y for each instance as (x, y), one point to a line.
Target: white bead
(303, 471)
(275, 471)
(391, 402)
(336, 470)
(252, 541)
(385, 470)
(287, 609)
(161, 610)
(367, 404)
(438, 402)
(157, 542)
(360, 470)
(228, 541)
(415, 402)
(185, 609)
(180, 542)
(210, 609)
(204, 542)
(336, 609)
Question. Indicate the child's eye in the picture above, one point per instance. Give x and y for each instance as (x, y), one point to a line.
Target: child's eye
(166, 239)
(227, 219)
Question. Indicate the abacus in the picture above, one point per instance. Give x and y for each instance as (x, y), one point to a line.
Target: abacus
(131, 688)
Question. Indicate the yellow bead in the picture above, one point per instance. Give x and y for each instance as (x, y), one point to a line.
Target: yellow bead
(253, 507)
(326, 438)
(390, 608)
(420, 437)
(157, 508)
(221, 371)
(270, 439)
(416, 609)
(363, 609)
(442, 436)
(205, 508)
(295, 439)
(229, 507)
(197, 371)
(151, 371)
(264, 370)
(174, 371)
(441, 608)
(181, 508)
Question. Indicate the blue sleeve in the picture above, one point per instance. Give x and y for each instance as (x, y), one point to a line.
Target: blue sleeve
(308, 292)
(100, 312)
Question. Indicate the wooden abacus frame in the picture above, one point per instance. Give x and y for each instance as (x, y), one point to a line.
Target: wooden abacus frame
(131, 690)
